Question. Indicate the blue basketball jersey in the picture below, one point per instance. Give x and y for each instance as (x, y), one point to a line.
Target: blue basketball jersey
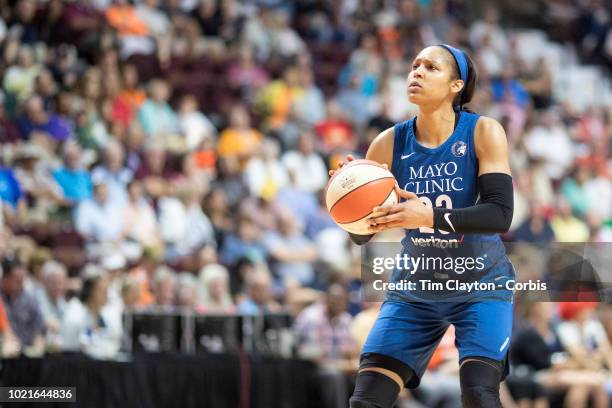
(446, 176)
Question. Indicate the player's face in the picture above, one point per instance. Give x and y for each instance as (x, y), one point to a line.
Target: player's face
(430, 78)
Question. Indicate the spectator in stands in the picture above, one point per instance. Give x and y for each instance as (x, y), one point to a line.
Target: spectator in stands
(100, 221)
(231, 180)
(22, 308)
(216, 207)
(52, 300)
(134, 146)
(492, 60)
(537, 80)
(10, 190)
(573, 190)
(130, 294)
(259, 293)
(72, 177)
(209, 17)
(114, 265)
(355, 106)
(192, 176)
(34, 262)
(536, 228)
(87, 325)
(38, 121)
(245, 74)
(335, 132)
(263, 212)
(239, 139)
(323, 333)
(156, 115)
(264, 173)
(155, 173)
(566, 226)
(245, 243)
(286, 43)
(205, 157)
(507, 88)
(46, 87)
(164, 288)
(193, 124)
(293, 253)
(598, 189)
(131, 93)
(132, 30)
(214, 290)
(489, 26)
(113, 172)
(139, 220)
(583, 336)
(19, 79)
(550, 132)
(43, 193)
(302, 204)
(277, 99)
(533, 350)
(186, 291)
(321, 220)
(310, 107)
(114, 109)
(183, 225)
(155, 19)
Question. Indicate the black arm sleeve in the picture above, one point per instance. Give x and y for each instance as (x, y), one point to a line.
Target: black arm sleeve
(360, 239)
(493, 214)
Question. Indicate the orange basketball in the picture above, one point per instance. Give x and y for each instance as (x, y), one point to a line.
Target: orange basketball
(354, 190)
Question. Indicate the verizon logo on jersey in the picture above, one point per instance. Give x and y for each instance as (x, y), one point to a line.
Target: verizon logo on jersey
(435, 242)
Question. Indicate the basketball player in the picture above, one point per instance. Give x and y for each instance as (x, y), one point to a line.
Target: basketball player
(454, 180)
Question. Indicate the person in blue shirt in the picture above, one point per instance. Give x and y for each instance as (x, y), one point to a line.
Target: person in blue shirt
(509, 88)
(453, 178)
(73, 178)
(10, 191)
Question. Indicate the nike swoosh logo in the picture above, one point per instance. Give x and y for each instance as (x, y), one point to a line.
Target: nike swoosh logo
(505, 343)
(405, 156)
(447, 218)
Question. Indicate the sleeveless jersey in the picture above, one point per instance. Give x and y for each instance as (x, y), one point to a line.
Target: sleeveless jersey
(446, 176)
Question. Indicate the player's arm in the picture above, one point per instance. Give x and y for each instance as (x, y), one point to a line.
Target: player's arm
(493, 213)
(380, 151)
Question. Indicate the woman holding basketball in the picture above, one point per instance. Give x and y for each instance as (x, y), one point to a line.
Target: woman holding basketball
(454, 180)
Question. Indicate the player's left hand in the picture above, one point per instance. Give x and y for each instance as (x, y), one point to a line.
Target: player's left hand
(409, 214)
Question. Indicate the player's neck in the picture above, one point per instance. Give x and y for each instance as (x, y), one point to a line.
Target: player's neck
(434, 126)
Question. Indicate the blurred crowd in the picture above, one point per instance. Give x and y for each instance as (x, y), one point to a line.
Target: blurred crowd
(172, 154)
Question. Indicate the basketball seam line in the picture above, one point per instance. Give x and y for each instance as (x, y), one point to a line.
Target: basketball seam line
(348, 222)
(364, 184)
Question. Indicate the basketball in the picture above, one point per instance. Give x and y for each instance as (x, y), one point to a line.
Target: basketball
(354, 190)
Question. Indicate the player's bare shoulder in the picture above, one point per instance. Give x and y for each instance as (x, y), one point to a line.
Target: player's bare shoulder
(489, 134)
(491, 145)
(381, 148)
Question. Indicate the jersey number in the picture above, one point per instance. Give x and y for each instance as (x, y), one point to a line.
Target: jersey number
(443, 200)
